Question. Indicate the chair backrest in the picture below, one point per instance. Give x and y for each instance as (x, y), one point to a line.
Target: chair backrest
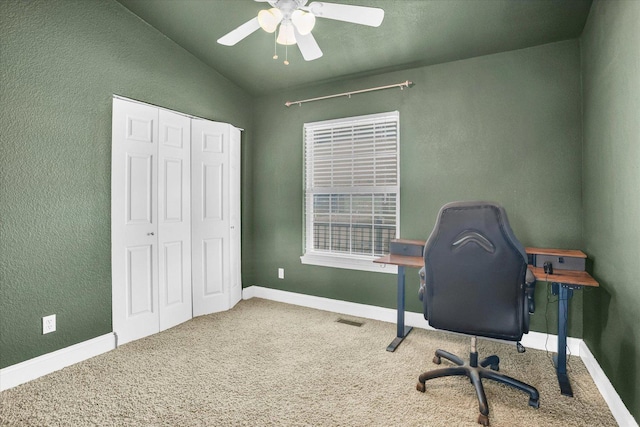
(475, 272)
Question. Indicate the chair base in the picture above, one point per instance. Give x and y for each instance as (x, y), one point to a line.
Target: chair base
(475, 373)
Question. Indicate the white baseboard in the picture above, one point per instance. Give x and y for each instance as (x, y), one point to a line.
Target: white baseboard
(37, 367)
(536, 340)
(327, 304)
(610, 395)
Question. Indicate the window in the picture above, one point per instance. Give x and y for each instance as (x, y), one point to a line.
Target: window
(352, 190)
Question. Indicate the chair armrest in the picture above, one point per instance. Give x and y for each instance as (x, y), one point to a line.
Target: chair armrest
(529, 303)
(529, 290)
(422, 290)
(423, 284)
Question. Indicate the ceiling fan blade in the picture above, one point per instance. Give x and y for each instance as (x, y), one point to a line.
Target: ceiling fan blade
(271, 2)
(308, 46)
(371, 16)
(240, 33)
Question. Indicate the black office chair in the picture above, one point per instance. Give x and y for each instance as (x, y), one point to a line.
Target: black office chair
(476, 283)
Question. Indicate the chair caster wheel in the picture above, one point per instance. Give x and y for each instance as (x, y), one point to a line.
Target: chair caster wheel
(535, 403)
(495, 367)
(437, 360)
(420, 387)
(483, 419)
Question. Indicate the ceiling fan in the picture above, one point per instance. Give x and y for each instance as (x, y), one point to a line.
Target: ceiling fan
(295, 21)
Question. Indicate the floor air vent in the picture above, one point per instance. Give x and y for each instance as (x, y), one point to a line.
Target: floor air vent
(350, 322)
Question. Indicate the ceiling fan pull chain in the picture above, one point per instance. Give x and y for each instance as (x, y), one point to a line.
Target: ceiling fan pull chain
(275, 46)
(286, 55)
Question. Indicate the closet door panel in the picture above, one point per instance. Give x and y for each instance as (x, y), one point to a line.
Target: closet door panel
(174, 224)
(210, 221)
(139, 188)
(174, 284)
(134, 220)
(139, 279)
(212, 191)
(213, 267)
(235, 288)
(173, 190)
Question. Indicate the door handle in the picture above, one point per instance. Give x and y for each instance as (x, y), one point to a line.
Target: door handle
(150, 234)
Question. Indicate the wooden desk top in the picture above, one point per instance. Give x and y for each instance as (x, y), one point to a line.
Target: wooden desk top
(405, 261)
(555, 252)
(529, 250)
(568, 277)
(409, 242)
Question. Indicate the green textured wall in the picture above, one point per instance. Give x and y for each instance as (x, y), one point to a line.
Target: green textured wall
(61, 61)
(610, 47)
(504, 127)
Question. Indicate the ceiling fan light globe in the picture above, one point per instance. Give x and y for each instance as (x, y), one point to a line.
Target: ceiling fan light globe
(286, 35)
(269, 19)
(303, 21)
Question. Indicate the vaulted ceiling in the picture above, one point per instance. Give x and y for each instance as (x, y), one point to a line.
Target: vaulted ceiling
(413, 33)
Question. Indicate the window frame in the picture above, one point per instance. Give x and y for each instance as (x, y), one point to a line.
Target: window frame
(337, 259)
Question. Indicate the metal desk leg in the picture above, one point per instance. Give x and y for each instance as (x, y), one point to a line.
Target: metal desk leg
(564, 293)
(402, 331)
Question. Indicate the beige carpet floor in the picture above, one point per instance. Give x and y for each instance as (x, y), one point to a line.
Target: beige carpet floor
(270, 364)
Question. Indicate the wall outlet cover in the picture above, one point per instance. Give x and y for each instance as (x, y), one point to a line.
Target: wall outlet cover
(48, 324)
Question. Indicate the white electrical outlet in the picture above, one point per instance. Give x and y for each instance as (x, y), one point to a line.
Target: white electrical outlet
(281, 273)
(48, 324)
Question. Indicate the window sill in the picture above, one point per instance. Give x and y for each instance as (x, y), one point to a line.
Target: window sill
(350, 263)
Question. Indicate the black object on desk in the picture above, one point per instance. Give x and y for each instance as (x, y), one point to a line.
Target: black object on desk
(406, 247)
(558, 259)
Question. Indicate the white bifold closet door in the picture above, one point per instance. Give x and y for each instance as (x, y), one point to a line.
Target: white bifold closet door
(151, 220)
(215, 164)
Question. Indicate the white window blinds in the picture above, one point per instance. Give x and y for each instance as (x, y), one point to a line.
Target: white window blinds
(352, 185)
